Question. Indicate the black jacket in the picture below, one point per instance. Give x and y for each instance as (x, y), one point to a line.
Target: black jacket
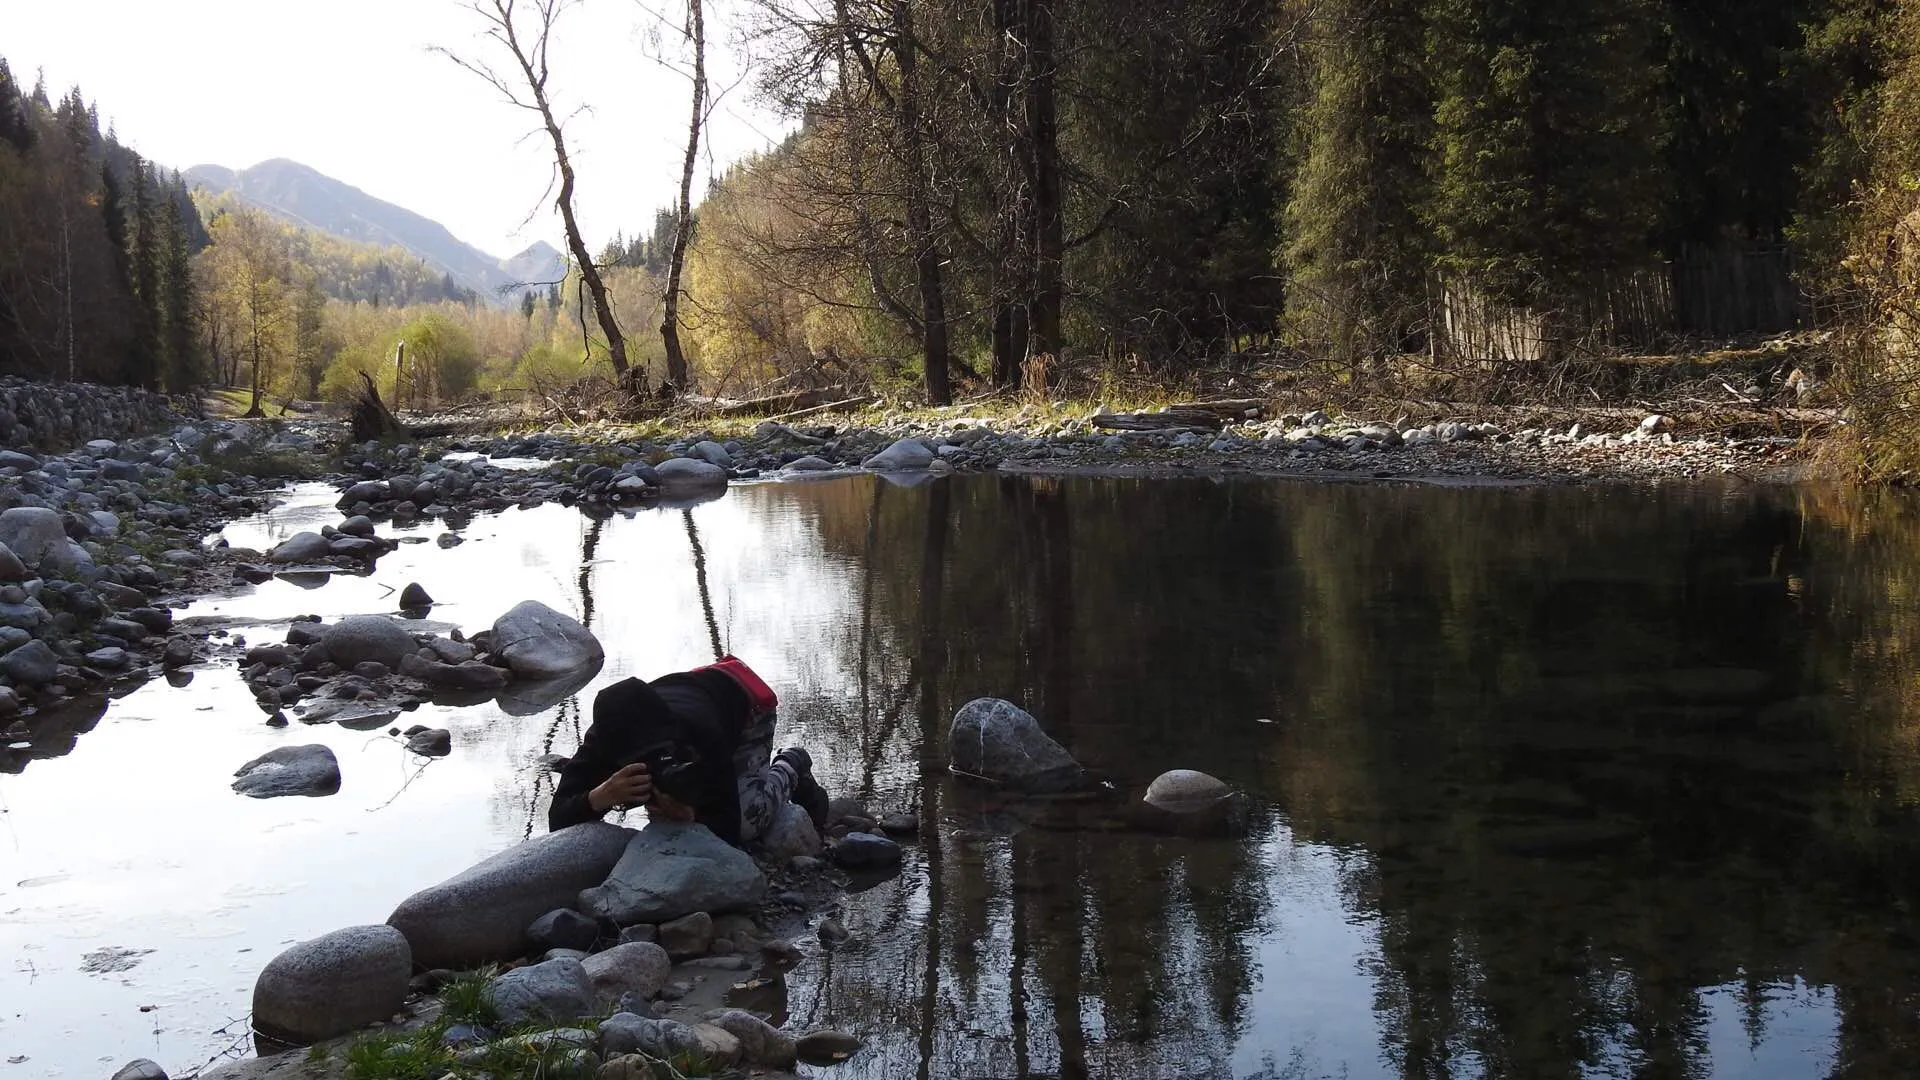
(702, 711)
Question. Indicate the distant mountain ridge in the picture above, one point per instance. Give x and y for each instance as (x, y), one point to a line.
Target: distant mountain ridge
(307, 197)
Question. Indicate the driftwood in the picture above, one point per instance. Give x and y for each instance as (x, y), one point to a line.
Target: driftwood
(832, 406)
(793, 399)
(1231, 409)
(1176, 417)
(370, 419)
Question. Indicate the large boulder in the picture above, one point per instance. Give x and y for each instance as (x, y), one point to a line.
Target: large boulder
(481, 915)
(289, 770)
(906, 455)
(675, 868)
(690, 473)
(538, 642)
(301, 547)
(333, 984)
(358, 639)
(38, 537)
(999, 741)
(640, 968)
(544, 992)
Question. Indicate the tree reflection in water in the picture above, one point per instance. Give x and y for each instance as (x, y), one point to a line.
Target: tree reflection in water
(1605, 772)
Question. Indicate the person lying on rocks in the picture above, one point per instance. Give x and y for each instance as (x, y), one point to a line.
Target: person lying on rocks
(691, 746)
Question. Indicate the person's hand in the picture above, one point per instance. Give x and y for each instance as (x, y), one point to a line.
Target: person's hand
(629, 787)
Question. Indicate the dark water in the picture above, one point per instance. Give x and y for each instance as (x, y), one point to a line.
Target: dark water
(1546, 782)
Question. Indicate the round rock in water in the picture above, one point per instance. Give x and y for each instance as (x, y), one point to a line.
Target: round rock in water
(999, 741)
(433, 742)
(1185, 790)
(865, 851)
(538, 642)
(332, 985)
(906, 455)
(141, 1069)
(413, 596)
(684, 473)
(289, 770)
(301, 547)
(358, 639)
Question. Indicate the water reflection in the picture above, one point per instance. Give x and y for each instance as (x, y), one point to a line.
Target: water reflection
(1548, 782)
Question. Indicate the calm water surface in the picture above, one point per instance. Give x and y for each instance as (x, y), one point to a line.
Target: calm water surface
(1546, 782)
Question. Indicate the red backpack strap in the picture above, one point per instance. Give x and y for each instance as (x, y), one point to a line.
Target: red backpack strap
(760, 696)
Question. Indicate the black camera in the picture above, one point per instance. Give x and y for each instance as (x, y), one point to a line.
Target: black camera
(672, 769)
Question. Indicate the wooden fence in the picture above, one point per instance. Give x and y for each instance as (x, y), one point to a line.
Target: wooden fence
(1708, 292)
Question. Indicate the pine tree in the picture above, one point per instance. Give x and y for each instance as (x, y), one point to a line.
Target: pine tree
(16, 126)
(1356, 248)
(148, 357)
(1549, 144)
(183, 369)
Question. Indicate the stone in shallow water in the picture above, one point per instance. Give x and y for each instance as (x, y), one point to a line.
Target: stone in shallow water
(141, 1069)
(333, 984)
(289, 770)
(360, 639)
(538, 642)
(999, 741)
(906, 455)
(1181, 790)
(300, 547)
(865, 851)
(690, 473)
(481, 915)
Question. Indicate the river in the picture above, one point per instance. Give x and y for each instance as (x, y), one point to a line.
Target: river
(1545, 781)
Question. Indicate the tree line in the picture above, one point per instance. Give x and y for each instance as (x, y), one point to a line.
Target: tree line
(96, 250)
(990, 184)
(993, 192)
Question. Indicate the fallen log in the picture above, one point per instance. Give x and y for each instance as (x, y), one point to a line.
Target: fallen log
(832, 406)
(792, 399)
(1177, 416)
(1228, 409)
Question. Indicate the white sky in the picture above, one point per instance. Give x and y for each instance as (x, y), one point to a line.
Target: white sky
(350, 88)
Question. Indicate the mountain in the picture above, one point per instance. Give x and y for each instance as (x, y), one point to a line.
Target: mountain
(310, 198)
(539, 263)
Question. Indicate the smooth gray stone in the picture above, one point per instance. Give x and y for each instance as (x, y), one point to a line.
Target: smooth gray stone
(289, 770)
(359, 639)
(300, 547)
(997, 740)
(637, 967)
(538, 642)
(31, 664)
(548, 991)
(481, 915)
(671, 869)
(333, 984)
